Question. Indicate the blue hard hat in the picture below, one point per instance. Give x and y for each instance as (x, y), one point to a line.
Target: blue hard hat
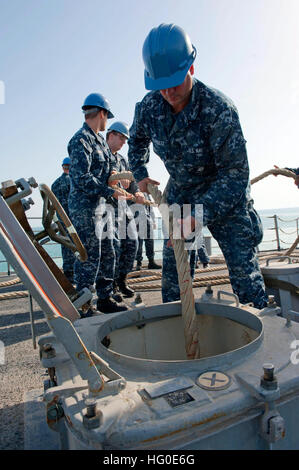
(121, 127)
(66, 161)
(98, 101)
(167, 55)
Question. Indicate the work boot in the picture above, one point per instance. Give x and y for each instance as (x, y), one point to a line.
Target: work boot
(138, 266)
(88, 311)
(123, 287)
(116, 294)
(109, 305)
(153, 265)
(206, 265)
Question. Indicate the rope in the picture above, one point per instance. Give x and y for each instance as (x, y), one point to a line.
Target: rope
(185, 282)
(10, 283)
(196, 284)
(13, 295)
(294, 245)
(274, 171)
(158, 275)
(126, 175)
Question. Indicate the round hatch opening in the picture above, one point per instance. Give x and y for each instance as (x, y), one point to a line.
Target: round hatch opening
(160, 335)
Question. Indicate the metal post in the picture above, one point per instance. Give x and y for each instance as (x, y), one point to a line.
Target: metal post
(277, 231)
(207, 241)
(32, 321)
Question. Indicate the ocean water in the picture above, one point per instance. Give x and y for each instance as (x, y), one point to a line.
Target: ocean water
(288, 230)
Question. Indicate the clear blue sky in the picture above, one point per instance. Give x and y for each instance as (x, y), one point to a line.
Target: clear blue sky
(53, 53)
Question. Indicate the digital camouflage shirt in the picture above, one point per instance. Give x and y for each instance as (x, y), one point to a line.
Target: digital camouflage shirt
(91, 165)
(202, 147)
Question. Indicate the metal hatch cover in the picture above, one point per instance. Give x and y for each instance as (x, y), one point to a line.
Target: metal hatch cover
(213, 380)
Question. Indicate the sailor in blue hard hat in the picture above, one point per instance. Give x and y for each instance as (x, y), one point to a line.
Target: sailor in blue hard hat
(121, 127)
(168, 55)
(90, 170)
(117, 135)
(119, 131)
(94, 102)
(66, 162)
(195, 130)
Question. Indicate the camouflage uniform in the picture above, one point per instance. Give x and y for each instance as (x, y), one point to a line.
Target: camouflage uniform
(125, 248)
(61, 189)
(204, 151)
(90, 169)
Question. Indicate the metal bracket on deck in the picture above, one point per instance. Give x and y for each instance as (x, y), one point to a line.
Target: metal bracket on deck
(266, 389)
(85, 296)
(230, 294)
(57, 307)
(25, 190)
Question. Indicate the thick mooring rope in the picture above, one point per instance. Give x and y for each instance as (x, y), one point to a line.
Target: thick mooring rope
(185, 283)
(125, 175)
(274, 171)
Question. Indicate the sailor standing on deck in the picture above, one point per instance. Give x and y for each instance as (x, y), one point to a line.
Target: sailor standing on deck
(196, 131)
(61, 189)
(117, 135)
(91, 167)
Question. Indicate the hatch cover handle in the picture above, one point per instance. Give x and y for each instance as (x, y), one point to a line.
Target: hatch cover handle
(222, 292)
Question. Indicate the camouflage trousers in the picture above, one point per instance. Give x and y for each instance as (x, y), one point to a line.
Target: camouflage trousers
(238, 237)
(99, 268)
